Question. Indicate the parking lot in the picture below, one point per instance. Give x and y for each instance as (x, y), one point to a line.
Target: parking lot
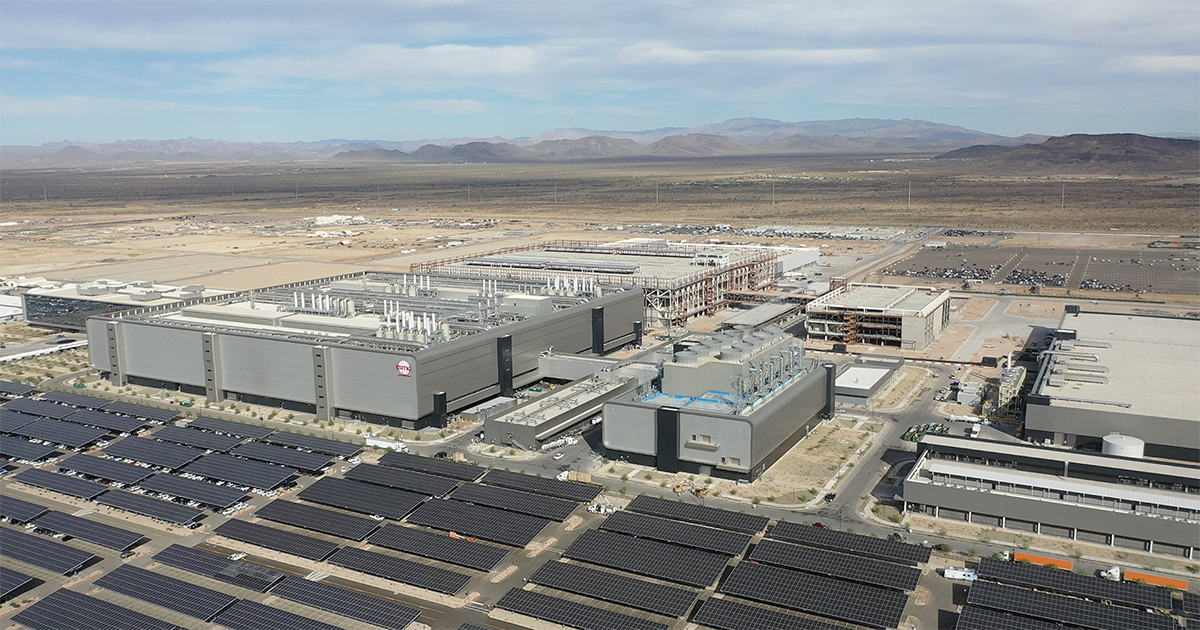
(1155, 271)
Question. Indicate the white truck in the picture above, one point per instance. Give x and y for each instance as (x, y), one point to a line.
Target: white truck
(956, 573)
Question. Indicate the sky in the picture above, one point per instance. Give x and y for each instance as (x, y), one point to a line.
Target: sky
(281, 71)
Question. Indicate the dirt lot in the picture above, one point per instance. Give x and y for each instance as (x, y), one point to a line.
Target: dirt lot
(1035, 310)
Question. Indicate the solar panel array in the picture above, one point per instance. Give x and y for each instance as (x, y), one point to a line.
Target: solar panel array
(648, 557)
(317, 519)
(206, 440)
(976, 618)
(277, 539)
(12, 582)
(568, 613)
(402, 479)
(109, 421)
(854, 543)
(68, 610)
(282, 456)
(365, 498)
(40, 408)
(699, 514)
(91, 531)
(464, 553)
(10, 420)
(838, 565)
(1068, 583)
(141, 411)
(247, 614)
(153, 452)
(316, 444)
(20, 511)
(17, 448)
(487, 523)
(439, 467)
(1068, 610)
(515, 501)
(9, 388)
(569, 490)
(43, 552)
(105, 469)
(373, 610)
(401, 570)
(242, 472)
(72, 486)
(686, 534)
(75, 400)
(58, 432)
(726, 614)
(212, 495)
(232, 428)
(618, 589)
(235, 572)
(1191, 605)
(836, 599)
(168, 511)
(177, 595)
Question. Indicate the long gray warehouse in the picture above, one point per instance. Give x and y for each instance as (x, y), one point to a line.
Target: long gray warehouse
(1119, 501)
(396, 349)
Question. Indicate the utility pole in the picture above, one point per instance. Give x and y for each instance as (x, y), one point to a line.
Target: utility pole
(45, 199)
(656, 194)
(555, 192)
(910, 195)
(1063, 202)
(772, 193)
(468, 192)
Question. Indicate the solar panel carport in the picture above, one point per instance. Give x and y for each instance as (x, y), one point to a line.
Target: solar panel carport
(68, 434)
(89, 530)
(242, 472)
(102, 468)
(67, 610)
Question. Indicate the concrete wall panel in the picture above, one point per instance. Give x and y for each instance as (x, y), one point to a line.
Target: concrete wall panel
(161, 353)
(364, 380)
(275, 368)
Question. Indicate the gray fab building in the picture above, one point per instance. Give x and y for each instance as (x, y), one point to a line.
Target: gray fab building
(397, 349)
(1135, 375)
(729, 406)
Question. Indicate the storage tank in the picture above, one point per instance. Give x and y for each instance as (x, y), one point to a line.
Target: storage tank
(687, 357)
(1123, 446)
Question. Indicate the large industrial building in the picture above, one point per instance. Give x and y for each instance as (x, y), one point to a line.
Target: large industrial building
(728, 406)
(1124, 373)
(680, 280)
(67, 307)
(397, 349)
(903, 317)
(1122, 501)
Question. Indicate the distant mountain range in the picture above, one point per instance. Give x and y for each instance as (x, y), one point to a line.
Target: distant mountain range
(972, 151)
(1111, 154)
(741, 136)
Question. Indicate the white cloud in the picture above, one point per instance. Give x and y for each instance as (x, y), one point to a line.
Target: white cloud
(660, 52)
(75, 105)
(1161, 64)
(443, 107)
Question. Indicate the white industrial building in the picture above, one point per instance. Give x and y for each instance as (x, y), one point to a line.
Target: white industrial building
(897, 316)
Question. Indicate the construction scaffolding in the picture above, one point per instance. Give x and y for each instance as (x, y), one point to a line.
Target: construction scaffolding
(671, 297)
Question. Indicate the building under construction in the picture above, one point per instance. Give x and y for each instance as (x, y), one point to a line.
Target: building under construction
(903, 317)
(680, 280)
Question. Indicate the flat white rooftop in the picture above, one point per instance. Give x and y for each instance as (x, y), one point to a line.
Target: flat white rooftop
(881, 298)
(1152, 364)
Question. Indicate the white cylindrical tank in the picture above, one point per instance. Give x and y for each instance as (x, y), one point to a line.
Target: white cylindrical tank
(1123, 446)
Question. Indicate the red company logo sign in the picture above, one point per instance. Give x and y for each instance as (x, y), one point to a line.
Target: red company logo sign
(404, 368)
